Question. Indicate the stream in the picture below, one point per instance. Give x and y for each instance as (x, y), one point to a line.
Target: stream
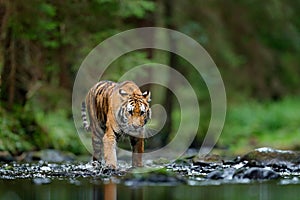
(261, 174)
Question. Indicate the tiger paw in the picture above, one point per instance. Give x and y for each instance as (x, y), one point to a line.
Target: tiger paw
(111, 166)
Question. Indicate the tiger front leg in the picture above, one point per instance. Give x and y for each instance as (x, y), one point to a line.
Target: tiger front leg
(109, 149)
(137, 145)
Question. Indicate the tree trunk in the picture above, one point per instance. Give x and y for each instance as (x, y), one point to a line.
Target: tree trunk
(173, 62)
(14, 72)
(9, 88)
(65, 72)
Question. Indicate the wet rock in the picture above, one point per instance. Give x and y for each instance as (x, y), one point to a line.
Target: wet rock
(208, 159)
(40, 181)
(267, 157)
(161, 161)
(158, 177)
(5, 156)
(74, 181)
(215, 175)
(202, 163)
(221, 174)
(154, 180)
(294, 180)
(51, 155)
(256, 173)
(48, 155)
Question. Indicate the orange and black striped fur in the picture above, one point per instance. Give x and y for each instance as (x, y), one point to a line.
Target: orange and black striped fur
(116, 109)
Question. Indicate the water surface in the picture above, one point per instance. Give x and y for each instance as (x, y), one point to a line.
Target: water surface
(87, 188)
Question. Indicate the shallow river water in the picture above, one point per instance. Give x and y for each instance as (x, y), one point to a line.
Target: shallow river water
(85, 188)
(261, 174)
(44, 180)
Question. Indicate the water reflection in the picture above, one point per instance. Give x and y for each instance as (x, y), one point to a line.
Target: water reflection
(88, 189)
(109, 191)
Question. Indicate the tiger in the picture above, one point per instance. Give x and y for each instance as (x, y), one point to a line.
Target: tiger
(116, 110)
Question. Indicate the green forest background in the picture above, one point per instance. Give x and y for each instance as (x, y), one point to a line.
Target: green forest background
(254, 43)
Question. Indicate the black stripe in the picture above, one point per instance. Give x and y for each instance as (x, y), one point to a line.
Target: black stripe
(121, 116)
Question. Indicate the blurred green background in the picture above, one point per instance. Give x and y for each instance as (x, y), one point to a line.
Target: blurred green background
(254, 43)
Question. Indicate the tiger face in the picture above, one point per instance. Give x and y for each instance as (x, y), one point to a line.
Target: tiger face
(134, 111)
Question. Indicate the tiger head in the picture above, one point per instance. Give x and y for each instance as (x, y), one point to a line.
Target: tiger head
(134, 109)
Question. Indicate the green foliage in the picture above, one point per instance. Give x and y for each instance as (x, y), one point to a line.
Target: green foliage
(44, 122)
(256, 124)
(136, 9)
(52, 38)
(256, 45)
(125, 63)
(255, 40)
(13, 137)
(52, 112)
(61, 131)
(36, 22)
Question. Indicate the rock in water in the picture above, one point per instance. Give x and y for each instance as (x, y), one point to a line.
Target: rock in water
(268, 156)
(48, 155)
(5, 156)
(40, 181)
(221, 174)
(256, 173)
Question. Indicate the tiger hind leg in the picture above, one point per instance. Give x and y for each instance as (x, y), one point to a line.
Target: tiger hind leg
(97, 146)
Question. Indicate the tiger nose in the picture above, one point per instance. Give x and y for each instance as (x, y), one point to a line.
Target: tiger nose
(136, 126)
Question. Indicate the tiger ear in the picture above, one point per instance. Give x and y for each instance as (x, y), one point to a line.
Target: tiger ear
(122, 92)
(147, 96)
